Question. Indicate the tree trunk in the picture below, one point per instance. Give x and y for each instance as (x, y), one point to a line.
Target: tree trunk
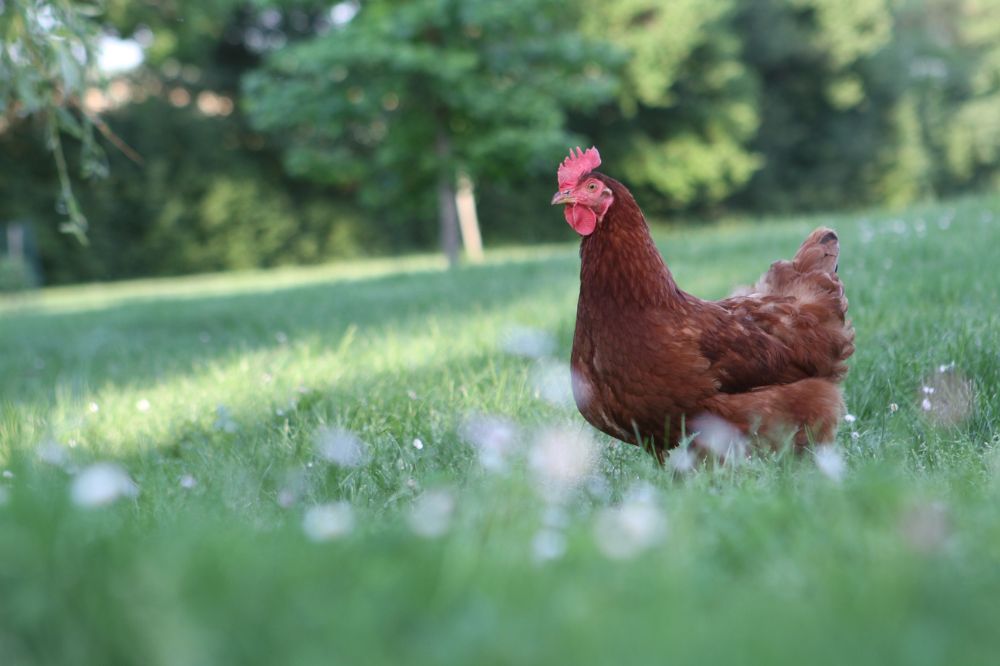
(468, 221)
(15, 241)
(447, 212)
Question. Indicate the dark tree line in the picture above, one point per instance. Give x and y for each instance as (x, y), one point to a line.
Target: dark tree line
(288, 131)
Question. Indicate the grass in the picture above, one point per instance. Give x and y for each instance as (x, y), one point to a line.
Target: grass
(229, 382)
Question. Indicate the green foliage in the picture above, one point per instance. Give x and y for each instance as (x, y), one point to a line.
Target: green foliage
(186, 31)
(969, 134)
(823, 119)
(250, 222)
(687, 105)
(344, 128)
(844, 31)
(211, 393)
(406, 93)
(46, 65)
(209, 195)
(889, 102)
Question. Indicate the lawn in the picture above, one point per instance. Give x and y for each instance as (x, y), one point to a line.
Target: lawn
(377, 463)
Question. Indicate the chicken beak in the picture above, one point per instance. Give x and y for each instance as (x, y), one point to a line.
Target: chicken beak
(563, 197)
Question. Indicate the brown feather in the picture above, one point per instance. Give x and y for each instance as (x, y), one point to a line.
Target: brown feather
(648, 358)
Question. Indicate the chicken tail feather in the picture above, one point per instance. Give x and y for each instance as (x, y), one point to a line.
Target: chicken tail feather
(807, 411)
(819, 252)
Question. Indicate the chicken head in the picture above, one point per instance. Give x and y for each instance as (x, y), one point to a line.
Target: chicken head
(585, 197)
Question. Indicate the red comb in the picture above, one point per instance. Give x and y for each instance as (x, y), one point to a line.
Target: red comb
(576, 165)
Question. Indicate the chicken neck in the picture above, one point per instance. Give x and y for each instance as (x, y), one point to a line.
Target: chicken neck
(620, 262)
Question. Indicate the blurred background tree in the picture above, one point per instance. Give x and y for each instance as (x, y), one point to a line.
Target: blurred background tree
(681, 124)
(401, 101)
(822, 115)
(292, 131)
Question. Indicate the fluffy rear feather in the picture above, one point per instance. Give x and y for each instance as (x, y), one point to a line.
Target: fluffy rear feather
(806, 411)
(791, 325)
(801, 305)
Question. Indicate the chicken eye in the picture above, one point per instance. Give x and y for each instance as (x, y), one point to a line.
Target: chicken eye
(592, 187)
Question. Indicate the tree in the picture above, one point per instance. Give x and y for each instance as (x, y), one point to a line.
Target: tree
(956, 84)
(687, 106)
(210, 193)
(825, 115)
(47, 62)
(404, 99)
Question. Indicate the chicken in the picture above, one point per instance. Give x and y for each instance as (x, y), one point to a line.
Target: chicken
(652, 364)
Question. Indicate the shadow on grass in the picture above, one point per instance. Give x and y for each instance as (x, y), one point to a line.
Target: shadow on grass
(146, 340)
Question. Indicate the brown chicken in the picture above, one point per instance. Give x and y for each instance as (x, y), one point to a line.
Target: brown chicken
(652, 364)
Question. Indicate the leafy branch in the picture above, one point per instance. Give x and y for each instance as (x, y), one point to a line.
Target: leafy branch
(47, 63)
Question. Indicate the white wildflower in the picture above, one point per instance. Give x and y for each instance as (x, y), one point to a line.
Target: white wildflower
(830, 463)
(286, 498)
(340, 447)
(93, 408)
(142, 405)
(850, 418)
(560, 458)
(224, 421)
(553, 383)
(953, 397)
(52, 453)
(527, 342)
(682, 460)
(101, 484)
(418, 444)
(324, 522)
(430, 515)
(492, 437)
(893, 408)
(637, 524)
(547, 544)
(188, 482)
(7, 474)
(721, 438)
(598, 487)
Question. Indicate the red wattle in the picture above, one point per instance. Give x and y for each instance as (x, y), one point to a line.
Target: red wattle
(582, 219)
